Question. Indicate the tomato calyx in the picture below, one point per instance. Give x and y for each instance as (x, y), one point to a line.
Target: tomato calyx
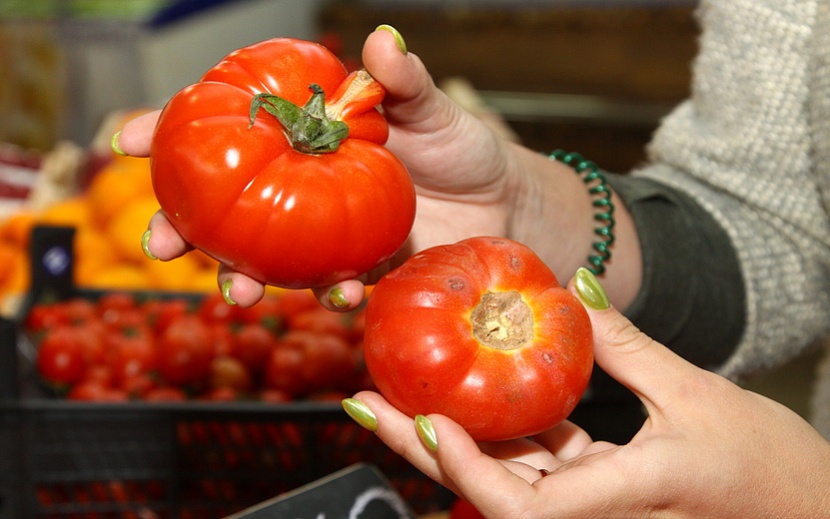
(502, 320)
(309, 128)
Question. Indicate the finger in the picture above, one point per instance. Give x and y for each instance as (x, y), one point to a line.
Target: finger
(640, 363)
(411, 95)
(164, 242)
(565, 441)
(397, 431)
(239, 289)
(137, 134)
(475, 475)
(342, 297)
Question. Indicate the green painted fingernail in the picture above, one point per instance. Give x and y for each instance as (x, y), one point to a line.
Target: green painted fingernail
(398, 38)
(426, 432)
(145, 245)
(226, 292)
(114, 144)
(590, 290)
(337, 298)
(360, 413)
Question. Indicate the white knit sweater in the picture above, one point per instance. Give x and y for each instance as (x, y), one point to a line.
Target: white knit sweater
(752, 146)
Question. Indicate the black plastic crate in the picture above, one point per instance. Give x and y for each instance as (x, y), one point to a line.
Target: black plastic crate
(61, 459)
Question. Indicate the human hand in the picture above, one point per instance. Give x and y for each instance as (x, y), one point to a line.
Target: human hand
(466, 175)
(707, 449)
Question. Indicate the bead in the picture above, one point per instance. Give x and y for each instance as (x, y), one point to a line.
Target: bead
(599, 189)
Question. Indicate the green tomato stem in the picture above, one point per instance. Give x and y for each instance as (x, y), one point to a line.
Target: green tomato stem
(308, 128)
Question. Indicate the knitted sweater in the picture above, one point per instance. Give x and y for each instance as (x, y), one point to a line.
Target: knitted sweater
(752, 148)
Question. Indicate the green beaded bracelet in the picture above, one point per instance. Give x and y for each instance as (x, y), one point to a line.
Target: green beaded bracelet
(601, 192)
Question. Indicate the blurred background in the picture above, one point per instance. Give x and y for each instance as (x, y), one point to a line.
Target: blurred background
(593, 76)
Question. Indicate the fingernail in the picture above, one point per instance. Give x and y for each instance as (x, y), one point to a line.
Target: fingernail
(398, 38)
(590, 290)
(360, 413)
(114, 144)
(226, 292)
(337, 298)
(145, 245)
(426, 432)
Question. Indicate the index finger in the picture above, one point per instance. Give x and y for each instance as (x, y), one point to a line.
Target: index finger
(137, 135)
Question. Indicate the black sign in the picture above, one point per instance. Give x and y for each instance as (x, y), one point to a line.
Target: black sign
(356, 492)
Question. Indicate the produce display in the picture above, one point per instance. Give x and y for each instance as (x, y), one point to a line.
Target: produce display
(480, 331)
(274, 164)
(124, 346)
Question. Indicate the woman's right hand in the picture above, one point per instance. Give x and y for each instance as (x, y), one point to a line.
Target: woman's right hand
(469, 180)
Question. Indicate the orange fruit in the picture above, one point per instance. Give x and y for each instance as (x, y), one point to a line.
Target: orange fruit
(8, 261)
(123, 276)
(175, 275)
(93, 253)
(15, 272)
(17, 228)
(204, 281)
(125, 229)
(124, 179)
(72, 212)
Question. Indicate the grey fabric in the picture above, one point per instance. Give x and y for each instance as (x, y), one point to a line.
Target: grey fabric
(751, 148)
(692, 298)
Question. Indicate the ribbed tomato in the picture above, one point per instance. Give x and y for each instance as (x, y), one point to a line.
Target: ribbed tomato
(480, 331)
(273, 163)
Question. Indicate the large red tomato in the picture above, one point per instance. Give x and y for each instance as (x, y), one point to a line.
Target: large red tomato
(480, 331)
(292, 187)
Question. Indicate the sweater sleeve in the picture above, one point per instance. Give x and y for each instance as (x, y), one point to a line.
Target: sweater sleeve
(743, 149)
(692, 296)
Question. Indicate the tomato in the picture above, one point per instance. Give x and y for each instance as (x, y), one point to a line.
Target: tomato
(305, 361)
(160, 314)
(139, 384)
(185, 351)
(130, 354)
(45, 316)
(322, 320)
(94, 391)
(283, 371)
(482, 332)
(60, 358)
(214, 309)
(165, 394)
(294, 197)
(231, 373)
(252, 345)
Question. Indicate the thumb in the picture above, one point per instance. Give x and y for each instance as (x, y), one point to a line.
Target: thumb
(646, 367)
(411, 95)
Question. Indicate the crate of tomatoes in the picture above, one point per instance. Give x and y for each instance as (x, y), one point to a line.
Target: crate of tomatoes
(176, 405)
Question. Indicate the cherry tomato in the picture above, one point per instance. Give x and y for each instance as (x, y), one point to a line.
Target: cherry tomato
(130, 354)
(253, 344)
(45, 316)
(185, 352)
(283, 371)
(214, 309)
(60, 358)
(94, 391)
(273, 163)
(228, 372)
(165, 394)
(480, 331)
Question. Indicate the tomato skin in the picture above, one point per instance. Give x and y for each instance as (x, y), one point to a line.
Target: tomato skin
(185, 352)
(425, 357)
(228, 189)
(61, 357)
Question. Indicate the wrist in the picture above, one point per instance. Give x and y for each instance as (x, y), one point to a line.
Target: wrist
(553, 213)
